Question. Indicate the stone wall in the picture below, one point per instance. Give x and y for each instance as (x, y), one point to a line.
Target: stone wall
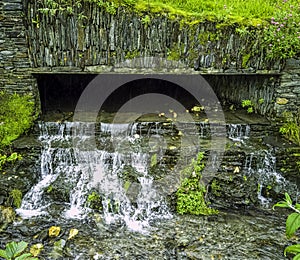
(91, 40)
(15, 73)
(288, 91)
(90, 37)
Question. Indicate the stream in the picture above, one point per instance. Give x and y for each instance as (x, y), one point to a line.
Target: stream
(135, 218)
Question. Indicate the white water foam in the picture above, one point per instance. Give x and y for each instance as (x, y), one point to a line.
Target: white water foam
(83, 169)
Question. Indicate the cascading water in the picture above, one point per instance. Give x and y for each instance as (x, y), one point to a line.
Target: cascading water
(238, 132)
(262, 164)
(69, 157)
(83, 169)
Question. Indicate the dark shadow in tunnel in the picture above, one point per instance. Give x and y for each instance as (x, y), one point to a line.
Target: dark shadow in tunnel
(61, 92)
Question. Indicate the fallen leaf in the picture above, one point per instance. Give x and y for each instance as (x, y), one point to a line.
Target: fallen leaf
(236, 169)
(36, 249)
(73, 232)
(54, 231)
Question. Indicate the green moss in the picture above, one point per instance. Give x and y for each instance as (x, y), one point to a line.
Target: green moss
(132, 54)
(146, 20)
(191, 193)
(215, 188)
(245, 60)
(173, 54)
(16, 196)
(16, 116)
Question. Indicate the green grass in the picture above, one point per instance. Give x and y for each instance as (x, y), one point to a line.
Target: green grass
(247, 12)
(239, 11)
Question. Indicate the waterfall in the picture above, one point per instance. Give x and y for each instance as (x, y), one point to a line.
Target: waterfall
(262, 164)
(238, 132)
(83, 168)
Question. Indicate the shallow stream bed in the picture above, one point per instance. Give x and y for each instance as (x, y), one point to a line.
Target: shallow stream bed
(137, 220)
(230, 235)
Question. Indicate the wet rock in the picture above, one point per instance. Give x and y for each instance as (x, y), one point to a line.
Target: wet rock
(60, 190)
(183, 241)
(13, 7)
(58, 250)
(2, 199)
(21, 175)
(24, 230)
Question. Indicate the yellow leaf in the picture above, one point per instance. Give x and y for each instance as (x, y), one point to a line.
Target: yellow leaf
(36, 249)
(236, 169)
(197, 108)
(73, 233)
(54, 231)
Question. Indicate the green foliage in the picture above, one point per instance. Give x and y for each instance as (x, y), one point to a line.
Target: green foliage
(215, 188)
(16, 195)
(293, 249)
(15, 251)
(291, 128)
(191, 193)
(146, 20)
(132, 54)
(282, 36)
(229, 12)
(94, 201)
(16, 116)
(4, 159)
(250, 105)
(292, 224)
(245, 60)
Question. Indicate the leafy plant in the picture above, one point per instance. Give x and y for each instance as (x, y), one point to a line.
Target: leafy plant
(4, 159)
(291, 128)
(15, 251)
(282, 36)
(94, 201)
(250, 105)
(292, 224)
(191, 193)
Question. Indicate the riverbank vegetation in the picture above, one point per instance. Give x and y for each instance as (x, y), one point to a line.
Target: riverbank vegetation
(291, 127)
(191, 193)
(17, 114)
